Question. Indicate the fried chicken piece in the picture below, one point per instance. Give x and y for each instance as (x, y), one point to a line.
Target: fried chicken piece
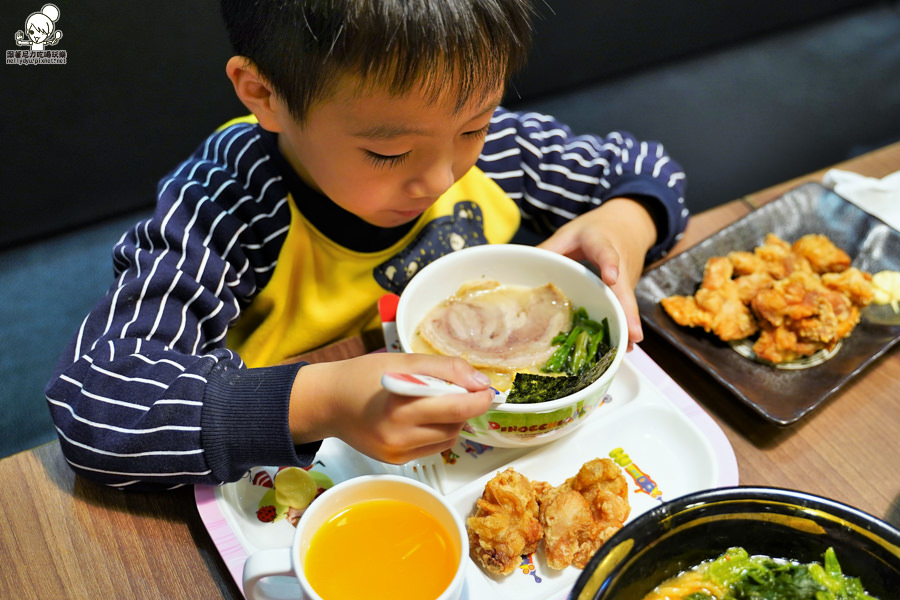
(779, 259)
(773, 242)
(822, 254)
(603, 485)
(685, 312)
(541, 489)
(792, 298)
(801, 315)
(597, 476)
(779, 345)
(826, 324)
(571, 535)
(775, 258)
(748, 286)
(746, 263)
(505, 524)
(582, 513)
(717, 306)
(855, 284)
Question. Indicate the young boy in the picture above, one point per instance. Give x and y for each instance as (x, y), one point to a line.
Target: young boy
(376, 145)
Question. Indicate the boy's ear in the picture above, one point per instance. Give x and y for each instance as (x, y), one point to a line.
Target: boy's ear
(254, 91)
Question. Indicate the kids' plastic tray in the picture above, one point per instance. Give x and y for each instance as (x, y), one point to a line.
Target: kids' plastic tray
(667, 445)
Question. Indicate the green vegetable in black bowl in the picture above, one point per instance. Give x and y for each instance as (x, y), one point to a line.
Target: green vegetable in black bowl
(737, 575)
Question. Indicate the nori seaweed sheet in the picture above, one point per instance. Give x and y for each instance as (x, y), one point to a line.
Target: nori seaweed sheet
(530, 388)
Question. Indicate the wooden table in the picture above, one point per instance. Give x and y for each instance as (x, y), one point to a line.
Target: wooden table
(64, 537)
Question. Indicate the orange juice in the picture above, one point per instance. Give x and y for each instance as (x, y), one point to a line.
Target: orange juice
(376, 549)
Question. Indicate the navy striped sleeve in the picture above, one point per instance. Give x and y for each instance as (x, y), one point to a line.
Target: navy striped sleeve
(554, 175)
(146, 393)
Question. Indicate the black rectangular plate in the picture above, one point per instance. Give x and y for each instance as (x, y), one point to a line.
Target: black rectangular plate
(778, 395)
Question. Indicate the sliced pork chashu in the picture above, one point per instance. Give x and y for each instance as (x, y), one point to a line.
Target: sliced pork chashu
(504, 328)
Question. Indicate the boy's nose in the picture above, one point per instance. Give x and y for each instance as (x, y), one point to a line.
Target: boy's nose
(432, 182)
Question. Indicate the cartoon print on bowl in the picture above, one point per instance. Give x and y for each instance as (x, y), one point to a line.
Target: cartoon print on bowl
(495, 425)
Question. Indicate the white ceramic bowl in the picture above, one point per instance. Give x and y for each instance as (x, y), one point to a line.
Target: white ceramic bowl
(519, 425)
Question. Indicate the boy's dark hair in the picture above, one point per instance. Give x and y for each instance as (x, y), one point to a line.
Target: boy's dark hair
(302, 47)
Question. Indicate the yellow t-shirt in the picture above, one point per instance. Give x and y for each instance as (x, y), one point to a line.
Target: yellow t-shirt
(322, 292)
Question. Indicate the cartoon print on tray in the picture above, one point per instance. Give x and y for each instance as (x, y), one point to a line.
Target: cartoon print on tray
(290, 491)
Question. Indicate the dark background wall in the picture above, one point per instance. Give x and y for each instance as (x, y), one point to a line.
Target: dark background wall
(144, 82)
(743, 94)
(599, 39)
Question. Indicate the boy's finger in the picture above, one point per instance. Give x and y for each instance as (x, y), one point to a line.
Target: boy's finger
(628, 301)
(606, 259)
(452, 409)
(454, 370)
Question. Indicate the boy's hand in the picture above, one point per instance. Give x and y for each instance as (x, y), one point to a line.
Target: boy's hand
(345, 399)
(615, 238)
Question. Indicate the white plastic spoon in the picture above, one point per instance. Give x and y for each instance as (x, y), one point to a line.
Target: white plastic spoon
(408, 384)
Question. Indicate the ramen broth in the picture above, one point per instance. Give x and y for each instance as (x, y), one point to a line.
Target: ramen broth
(500, 380)
(381, 549)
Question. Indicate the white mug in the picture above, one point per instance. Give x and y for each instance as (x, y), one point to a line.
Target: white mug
(290, 561)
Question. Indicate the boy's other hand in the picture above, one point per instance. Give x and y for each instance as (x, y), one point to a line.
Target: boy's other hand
(615, 238)
(345, 399)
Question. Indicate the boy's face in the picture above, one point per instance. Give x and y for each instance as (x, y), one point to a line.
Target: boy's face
(385, 158)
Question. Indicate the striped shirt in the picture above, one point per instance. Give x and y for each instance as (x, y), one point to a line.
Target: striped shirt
(147, 393)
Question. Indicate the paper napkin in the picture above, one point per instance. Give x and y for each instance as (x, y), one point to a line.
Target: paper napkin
(879, 197)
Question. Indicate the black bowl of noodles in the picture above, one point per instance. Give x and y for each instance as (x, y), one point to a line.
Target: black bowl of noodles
(778, 523)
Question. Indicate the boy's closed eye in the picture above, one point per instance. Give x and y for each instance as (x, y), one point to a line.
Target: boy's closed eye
(379, 160)
(385, 160)
(478, 133)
